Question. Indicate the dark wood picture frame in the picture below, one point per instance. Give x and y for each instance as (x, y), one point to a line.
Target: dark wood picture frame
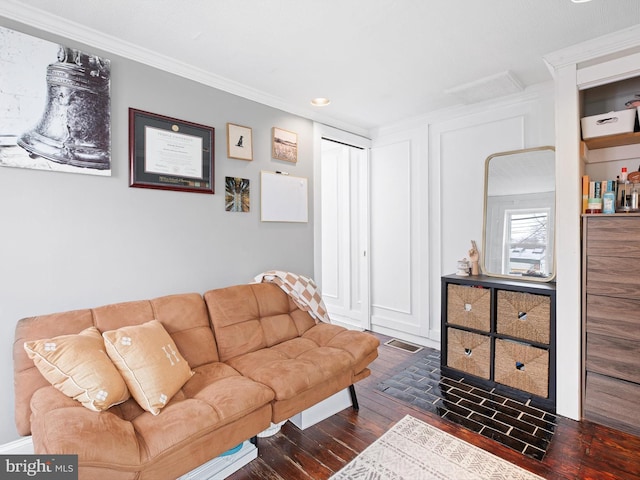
(170, 154)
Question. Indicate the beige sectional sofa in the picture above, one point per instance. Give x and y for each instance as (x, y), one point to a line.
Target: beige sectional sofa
(203, 373)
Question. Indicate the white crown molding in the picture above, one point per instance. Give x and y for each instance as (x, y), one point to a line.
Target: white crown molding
(36, 18)
(532, 93)
(598, 47)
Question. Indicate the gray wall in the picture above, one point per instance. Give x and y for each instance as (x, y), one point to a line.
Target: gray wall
(73, 241)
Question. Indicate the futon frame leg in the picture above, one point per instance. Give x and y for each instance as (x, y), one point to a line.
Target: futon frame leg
(354, 398)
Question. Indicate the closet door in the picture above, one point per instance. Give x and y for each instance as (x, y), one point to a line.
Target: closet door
(342, 223)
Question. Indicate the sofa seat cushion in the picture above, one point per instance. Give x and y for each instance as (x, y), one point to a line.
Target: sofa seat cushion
(127, 437)
(293, 367)
(361, 346)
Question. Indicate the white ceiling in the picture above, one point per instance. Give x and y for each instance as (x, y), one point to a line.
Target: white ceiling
(379, 61)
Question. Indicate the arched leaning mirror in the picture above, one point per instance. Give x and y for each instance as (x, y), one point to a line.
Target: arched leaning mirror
(519, 215)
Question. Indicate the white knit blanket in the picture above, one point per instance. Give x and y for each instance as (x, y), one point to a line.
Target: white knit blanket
(303, 291)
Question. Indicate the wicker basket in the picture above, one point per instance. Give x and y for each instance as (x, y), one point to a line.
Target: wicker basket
(469, 352)
(524, 315)
(469, 307)
(522, 366)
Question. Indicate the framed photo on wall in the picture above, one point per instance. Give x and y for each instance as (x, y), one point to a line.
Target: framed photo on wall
(239, 142)
(170, 154)
(237, 194)
(284, 145)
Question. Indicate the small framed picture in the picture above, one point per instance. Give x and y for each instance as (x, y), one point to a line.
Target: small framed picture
(284, 145)
(237, 194)
(239, 142)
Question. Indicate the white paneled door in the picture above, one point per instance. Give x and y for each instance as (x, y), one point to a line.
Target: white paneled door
(398, 238)
(342, 228)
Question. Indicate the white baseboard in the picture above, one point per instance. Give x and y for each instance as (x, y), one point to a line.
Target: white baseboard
(407, 337)
(346, 324)
(22, 446)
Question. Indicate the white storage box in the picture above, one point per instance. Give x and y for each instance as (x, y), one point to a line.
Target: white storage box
(611, 123)
(324, 409)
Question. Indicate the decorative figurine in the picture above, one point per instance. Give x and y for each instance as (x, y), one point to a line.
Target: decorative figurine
(474, 255)
(463, 268)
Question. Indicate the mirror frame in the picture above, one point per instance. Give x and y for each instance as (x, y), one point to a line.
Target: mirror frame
(483, 270)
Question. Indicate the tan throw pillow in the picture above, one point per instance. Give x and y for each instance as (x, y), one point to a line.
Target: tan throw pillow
(79, 367)
(150, 363)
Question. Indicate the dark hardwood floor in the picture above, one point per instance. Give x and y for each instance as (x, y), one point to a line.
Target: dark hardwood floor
(579, 450)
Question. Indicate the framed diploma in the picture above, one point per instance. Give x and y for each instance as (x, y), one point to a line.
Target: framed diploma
(170, 154)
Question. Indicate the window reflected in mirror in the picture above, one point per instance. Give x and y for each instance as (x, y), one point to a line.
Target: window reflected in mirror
(526, 240)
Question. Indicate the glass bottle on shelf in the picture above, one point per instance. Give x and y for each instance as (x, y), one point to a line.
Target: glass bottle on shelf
(609, 202)
(624, 192)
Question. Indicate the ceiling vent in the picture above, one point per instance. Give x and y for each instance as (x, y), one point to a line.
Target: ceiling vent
(486, 88)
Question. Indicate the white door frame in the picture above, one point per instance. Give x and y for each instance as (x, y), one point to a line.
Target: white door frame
(323, 131)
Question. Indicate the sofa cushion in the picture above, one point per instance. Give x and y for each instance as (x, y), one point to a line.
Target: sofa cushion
(247, 318)
(293, 367)
(362, 346)
(79, 367)
(148, 359)
(184, 316)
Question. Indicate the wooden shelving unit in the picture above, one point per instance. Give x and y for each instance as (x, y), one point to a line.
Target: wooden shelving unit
(613, 140)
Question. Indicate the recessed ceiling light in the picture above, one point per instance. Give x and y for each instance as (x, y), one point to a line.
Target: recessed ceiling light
(580, 1)
(320, 102)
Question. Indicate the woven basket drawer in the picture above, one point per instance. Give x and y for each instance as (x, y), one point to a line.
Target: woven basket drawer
(469, 307)
(524, 315)
(522, 366)
(469, 352)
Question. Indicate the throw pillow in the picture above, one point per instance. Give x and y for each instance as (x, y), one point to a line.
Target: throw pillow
(150, 363)
(79, 367)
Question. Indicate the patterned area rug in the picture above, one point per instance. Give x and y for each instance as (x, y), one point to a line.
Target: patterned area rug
(414, 450)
